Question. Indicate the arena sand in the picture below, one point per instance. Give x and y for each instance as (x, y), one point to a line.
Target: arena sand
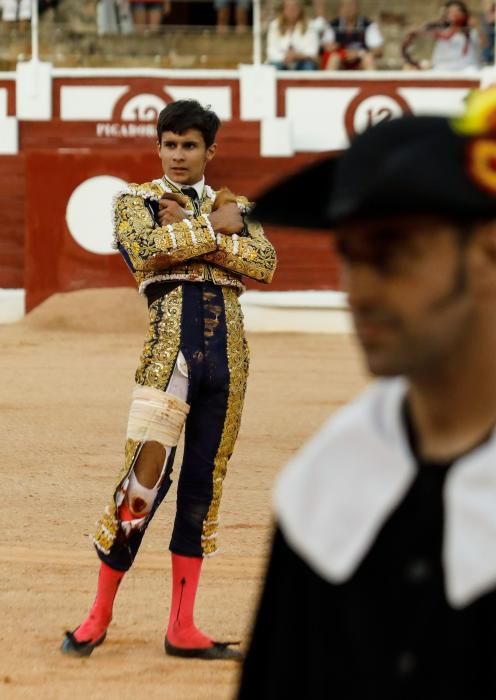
(66, 377)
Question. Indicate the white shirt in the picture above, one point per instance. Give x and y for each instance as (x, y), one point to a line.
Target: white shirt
(278, 45)
(320, 24)
(454, 54)
(198, 186)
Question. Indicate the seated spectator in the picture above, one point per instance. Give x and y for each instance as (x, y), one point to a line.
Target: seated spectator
(319, 22)
(351, 41)
(457, 44)
(113, 17)
(292, 42)
(487, 20)
(223, 8)
(14, 11)
(47, 6)
(148, 14)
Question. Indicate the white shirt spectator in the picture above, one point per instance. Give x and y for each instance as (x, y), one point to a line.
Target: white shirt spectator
(113, 17)
(304, 43)
(456, 53)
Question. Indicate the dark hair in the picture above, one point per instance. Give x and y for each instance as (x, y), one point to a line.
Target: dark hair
(460, 5)
(182, 115)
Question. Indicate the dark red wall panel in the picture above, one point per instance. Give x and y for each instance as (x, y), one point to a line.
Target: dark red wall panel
(12, 217)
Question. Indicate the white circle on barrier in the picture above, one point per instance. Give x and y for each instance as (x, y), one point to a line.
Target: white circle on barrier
(89, 213)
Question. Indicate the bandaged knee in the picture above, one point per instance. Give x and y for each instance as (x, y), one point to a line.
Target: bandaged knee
(156, 415)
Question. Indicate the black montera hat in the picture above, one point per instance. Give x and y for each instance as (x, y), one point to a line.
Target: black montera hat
(405, 166)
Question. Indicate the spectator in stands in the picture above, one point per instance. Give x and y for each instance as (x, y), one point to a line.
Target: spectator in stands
(292, 42)
(148, 14)
(351, 41)
(457, 45)
(45, 6)
(319, 21)
(487, 21)
(16, 11)
(223, 8)
(113, 17)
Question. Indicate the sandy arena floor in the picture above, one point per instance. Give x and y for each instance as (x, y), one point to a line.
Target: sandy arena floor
(65, 389)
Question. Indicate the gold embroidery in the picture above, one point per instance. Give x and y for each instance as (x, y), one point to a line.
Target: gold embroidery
(155, 369)
(238, 361)
(255, 258)
(194, 273)
(162, 342)
(152, 247)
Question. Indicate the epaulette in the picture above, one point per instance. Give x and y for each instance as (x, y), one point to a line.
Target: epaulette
(147, 190)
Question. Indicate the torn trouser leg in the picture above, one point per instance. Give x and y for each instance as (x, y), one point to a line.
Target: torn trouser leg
(156, 420)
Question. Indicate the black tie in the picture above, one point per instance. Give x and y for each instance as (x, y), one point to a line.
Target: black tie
(193, 195)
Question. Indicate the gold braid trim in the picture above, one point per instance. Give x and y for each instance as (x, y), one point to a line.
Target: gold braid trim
(178, 242)
(152, 247)
(252, 255)
(162, 342)
(238, 361)
(108, 525)
(156, 366)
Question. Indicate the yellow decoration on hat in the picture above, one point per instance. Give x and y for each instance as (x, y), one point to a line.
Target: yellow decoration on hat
(480, 114)
(482, 163)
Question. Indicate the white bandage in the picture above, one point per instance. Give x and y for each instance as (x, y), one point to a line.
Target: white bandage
(156, 415)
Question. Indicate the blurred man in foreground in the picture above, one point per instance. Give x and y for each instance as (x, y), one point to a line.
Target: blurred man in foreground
(382, 576)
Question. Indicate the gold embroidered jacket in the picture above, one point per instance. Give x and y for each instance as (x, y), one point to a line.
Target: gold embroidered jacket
(189, 250)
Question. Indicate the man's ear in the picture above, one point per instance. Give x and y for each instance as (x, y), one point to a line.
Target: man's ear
(483, 259)
(211, 151)
(158, 149)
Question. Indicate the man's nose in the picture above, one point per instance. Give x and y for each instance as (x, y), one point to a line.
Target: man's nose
(178, 153)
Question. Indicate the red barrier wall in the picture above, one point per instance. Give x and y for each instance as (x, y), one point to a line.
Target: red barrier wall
(12, 208)
(104, 116)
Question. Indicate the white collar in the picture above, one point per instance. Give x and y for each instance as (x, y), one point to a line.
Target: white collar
(198, 186)
(334, 496)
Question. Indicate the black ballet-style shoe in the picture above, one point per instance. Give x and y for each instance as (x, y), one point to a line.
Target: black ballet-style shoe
(219, 651)
(72, 647)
